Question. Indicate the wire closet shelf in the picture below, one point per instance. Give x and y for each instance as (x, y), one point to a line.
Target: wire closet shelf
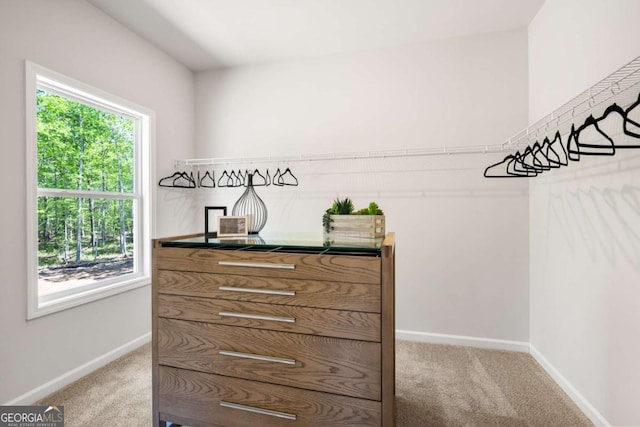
(617, 86)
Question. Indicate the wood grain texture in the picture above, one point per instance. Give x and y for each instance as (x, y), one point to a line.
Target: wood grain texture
(155, 244)
(340, 268)
(187, 395)
(388, 331)
(311, 321)
(334, 365)
(308, 293)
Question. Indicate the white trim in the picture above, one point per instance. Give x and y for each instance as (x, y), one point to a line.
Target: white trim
(582, 403)
(495, 344)
(67, 87)
(85, 294)
(87, 194)
(75, 374)
(31, 71)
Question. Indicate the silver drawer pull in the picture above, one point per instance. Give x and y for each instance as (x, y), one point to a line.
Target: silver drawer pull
(257, 410)
(257, 316)
(258, 291)
(258, 265)
(257, 357)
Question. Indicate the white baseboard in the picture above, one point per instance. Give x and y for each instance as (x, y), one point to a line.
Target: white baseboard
(582, 403)
(490, 343)
(75, 374)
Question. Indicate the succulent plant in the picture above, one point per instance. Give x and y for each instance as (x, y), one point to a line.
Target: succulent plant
(343, 207)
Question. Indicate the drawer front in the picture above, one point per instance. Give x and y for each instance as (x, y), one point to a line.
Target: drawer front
(307, 293)
(340, 268)
(334, 365)
(303, 320)
(187, 396)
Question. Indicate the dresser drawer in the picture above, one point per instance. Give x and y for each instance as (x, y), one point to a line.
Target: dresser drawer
(307, 293)
(303, 320)
(196, 398)
(334, 365)
(340, 268)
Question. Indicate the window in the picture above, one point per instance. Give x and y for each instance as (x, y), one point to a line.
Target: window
(88, 197)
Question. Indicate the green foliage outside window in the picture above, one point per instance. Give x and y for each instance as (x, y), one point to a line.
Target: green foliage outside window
(86, 149)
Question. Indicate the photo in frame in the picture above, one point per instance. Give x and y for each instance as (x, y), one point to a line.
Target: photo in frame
(233, 226)
(211, 215)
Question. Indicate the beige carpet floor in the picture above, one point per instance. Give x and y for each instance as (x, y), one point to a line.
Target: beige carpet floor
(118, 394)
(436, 386)
(445, 385)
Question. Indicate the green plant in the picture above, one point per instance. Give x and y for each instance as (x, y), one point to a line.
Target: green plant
(345, 207)
(374, 209)
(326, 220)
(339, 207)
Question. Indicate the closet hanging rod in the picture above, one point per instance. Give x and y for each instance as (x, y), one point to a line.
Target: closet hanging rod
(416, 152)
(613, 86)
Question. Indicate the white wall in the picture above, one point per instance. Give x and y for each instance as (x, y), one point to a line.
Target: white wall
(74, 38)
(585, 219)
(462, 265)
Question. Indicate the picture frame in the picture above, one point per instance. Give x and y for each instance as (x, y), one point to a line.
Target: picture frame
(211, 215)
(233, 226)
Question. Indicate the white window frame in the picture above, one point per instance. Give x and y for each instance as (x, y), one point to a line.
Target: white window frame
(144, 121)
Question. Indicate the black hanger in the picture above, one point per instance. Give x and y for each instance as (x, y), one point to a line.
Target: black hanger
(178, 180)
(507, 168)
(224, 179)
(292, 180)
(240, 179)
(530, 162)
(233, 180)
(539, 155)
(185, 181)
(558, 150)
(207, 180)
(498, 170)
(594, 147)
(259, 180)
(167, 181)
(622, 142)
(633, 121)
(549, 154)
(518, 168)
(277, 178)
(572, 145)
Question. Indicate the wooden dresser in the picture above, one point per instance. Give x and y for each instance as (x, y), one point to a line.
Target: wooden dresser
(259, 333)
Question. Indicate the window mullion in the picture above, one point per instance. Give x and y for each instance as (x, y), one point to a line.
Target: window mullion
(59, 192)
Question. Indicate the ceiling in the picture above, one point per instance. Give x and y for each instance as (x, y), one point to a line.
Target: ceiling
(208, 34)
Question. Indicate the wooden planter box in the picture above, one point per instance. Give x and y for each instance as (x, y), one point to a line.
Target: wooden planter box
(358, 226)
